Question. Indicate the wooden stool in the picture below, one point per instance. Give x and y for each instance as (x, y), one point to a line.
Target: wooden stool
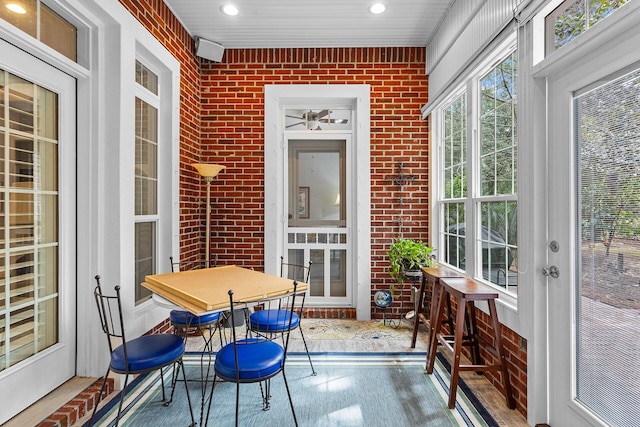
(430, 277)
(466, 291)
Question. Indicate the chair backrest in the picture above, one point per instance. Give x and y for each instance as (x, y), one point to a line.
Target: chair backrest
(297, 272)
(287, 300)
(184, 266)
(110, 312)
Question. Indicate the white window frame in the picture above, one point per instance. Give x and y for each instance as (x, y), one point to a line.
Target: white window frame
(155, 101)
(470, 85)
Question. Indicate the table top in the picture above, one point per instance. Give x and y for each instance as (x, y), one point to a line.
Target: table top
(441, 271)
(206, 290)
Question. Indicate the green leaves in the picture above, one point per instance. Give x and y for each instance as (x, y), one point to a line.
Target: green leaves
(408, 254)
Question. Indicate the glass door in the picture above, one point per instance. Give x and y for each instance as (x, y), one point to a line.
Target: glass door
(37, 301)
(594, 245)
(317, 216)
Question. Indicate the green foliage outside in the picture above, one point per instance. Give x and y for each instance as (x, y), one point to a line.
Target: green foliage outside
(579, 17)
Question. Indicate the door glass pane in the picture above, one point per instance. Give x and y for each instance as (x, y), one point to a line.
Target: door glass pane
(316, 171)
(607, 291)
(317, 273)
(28, 237)
(337, 270)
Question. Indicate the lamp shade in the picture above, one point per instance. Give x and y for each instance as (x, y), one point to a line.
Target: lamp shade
(208, 170)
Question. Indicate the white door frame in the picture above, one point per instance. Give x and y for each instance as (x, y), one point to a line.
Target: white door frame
(358, 96)
(59, 360)
(603, 50)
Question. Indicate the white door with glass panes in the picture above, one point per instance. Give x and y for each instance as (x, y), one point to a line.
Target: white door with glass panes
(593, 268)
(37, 229)
(317, 227)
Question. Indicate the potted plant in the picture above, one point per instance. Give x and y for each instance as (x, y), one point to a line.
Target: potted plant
(406, 256)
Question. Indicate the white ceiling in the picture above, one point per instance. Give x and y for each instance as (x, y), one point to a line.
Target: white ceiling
(312, 23)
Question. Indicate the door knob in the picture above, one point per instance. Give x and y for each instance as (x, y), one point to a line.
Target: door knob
(552, 271)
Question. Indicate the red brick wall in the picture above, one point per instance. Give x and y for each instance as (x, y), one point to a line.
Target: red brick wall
(232, 133)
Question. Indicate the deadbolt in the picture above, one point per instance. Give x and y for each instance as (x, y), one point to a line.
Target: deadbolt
(554, 246)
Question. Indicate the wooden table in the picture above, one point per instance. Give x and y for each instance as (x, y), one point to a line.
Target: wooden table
(206, 290)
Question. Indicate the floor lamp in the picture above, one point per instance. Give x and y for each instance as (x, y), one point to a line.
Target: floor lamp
(208, 172)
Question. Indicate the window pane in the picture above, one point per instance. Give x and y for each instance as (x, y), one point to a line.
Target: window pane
(146, 160)
(573, 17)
(498, 244)
(455, 143)
(145, 244)
(57, 33)
(24, 18)
(498, 121)
(454, 234)
(146, 78)
(53, 30)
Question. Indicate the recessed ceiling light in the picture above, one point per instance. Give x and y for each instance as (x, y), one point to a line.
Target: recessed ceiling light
(13, 7)
(229, 9)
(377, 8)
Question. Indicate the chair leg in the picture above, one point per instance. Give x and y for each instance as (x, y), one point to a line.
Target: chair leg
(95, 407)
(122, 395)
(293, 411)
(266, 394)
(213, 387)
(237, 401)
(313, 371)
(186, 389)
(174, 380)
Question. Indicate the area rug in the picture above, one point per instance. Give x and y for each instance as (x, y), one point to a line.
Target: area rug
(350, 389)
(345, 329)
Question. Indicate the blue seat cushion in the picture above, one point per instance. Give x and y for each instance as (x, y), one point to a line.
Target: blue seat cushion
(273, 320)
(187, 319)
(148, 352)
(258, 358)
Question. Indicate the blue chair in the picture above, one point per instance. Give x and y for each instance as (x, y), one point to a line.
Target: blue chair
(137, 356)
(277, 320)
(254, 359)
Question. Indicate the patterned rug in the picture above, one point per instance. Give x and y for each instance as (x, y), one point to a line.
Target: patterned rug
(347, 329)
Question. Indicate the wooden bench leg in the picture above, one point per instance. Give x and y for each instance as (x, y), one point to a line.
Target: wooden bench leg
(497, 332)
(435, 325)
(457, 351)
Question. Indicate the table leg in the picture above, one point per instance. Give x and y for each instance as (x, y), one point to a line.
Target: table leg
(416, 317)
